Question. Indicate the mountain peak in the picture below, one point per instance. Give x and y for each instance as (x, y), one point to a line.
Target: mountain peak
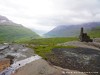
(3, 19)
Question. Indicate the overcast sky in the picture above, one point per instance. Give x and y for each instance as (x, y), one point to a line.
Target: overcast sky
(43, 15)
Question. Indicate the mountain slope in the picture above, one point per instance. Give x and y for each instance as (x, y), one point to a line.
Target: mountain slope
(10, 31)
(71, 30)
(95, 32)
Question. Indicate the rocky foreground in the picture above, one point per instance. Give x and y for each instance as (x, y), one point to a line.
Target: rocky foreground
(85, 57)
(37, 67)
(82, 60)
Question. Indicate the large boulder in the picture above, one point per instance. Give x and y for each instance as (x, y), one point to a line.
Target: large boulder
(81, 59)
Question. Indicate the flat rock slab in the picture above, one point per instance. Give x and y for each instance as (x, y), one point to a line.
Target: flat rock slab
(38, 67)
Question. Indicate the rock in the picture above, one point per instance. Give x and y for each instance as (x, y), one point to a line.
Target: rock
(81, 59)
(39, 67)
(84, 37)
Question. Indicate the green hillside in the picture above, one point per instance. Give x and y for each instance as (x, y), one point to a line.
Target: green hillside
(14, 33)
(95, 32)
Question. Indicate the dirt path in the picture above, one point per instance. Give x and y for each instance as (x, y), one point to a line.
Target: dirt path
(92, 45)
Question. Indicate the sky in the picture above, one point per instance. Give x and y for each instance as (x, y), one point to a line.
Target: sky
(44, 15)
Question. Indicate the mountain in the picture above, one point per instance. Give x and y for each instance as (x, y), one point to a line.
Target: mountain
(71, 30)
(10, 31)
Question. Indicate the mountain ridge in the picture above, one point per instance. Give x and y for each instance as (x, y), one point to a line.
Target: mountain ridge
(71, 30)
(10, 31)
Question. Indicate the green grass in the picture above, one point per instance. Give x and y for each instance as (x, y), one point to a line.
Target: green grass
(44, 46)
(51, 41)
(44, 50)
(95, 32)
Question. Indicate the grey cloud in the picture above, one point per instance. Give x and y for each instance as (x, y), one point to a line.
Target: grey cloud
(83, 10)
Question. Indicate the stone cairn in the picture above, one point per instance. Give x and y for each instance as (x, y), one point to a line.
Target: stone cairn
(84, 37)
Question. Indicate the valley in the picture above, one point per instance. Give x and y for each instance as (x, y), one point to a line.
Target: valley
(58, 52)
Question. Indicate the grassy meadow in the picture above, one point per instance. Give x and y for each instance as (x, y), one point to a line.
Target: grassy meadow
(95, 32)
(44, 46)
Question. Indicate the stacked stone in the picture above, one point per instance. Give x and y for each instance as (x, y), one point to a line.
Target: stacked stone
(84, 37)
